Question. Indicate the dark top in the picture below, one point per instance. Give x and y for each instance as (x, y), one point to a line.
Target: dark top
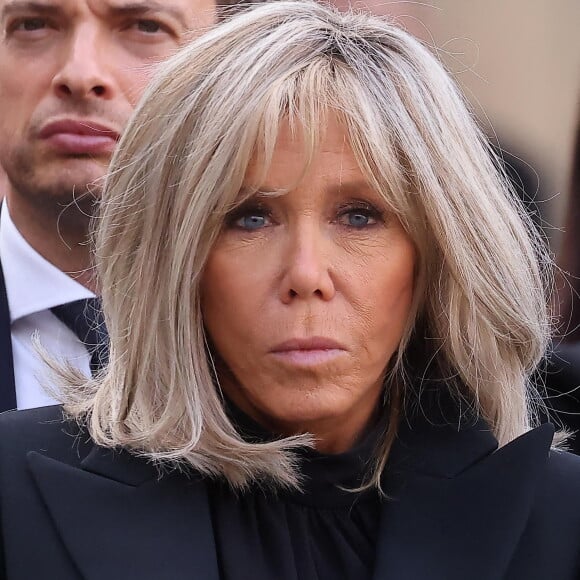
(318, 533)
(458, 508)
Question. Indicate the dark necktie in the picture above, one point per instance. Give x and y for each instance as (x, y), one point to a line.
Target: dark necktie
(85, 319)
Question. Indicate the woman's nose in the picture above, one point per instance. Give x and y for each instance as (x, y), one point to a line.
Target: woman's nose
(307, 269)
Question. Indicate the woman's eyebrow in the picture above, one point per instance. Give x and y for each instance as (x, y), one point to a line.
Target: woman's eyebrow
(249, 191)
(355, 187)
(348, 188)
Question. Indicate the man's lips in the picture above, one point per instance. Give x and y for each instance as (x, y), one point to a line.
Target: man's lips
(308, 351)
(79, 137)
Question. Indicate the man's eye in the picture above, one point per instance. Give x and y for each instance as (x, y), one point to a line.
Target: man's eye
(149, 26)
(30, 24)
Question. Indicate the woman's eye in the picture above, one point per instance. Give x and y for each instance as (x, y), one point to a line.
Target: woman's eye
(358, 217)
(251, 220)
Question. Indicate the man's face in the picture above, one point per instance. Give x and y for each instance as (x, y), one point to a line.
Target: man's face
(71, 72)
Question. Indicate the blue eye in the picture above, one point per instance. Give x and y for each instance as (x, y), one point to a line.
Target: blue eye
(249, 219)
(359, 217)
(251, 222)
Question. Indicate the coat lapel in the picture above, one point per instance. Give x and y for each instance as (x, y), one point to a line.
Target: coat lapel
(457, 507)
(119, 519)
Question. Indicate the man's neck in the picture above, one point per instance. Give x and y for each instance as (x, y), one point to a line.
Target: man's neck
(61, 237)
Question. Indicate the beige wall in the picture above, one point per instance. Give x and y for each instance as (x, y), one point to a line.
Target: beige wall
(520, 59)
(519, 63)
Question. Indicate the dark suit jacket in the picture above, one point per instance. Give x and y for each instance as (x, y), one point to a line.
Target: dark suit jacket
(458, 509)
(7, 386)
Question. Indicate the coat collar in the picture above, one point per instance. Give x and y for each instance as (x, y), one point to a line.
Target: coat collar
(457, 508)
(457, 505)
(119, 519)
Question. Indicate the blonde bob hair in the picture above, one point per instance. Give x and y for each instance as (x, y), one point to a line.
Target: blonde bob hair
(479, 309)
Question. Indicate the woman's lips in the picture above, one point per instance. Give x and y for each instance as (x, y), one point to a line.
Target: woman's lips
(78, 137)
(306, 358)
(308, 351)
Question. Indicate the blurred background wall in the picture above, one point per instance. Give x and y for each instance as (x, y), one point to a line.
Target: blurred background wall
(519, 63)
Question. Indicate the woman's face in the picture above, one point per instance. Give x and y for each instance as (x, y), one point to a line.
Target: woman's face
(305, 296)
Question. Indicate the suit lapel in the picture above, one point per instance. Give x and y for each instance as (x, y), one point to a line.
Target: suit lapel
(119, 519)
(457, 509)
(8, 389)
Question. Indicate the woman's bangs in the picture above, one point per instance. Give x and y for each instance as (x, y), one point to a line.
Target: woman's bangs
(301, 102)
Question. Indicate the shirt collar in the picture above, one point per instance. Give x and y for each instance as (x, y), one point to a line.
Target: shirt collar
(33, 284)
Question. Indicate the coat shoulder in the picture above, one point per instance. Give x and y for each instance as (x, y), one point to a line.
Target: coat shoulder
(46, 430)
(562, 475)
(549, 546)
(558, 494)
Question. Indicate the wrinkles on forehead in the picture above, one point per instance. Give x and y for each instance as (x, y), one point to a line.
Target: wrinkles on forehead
(107, 8)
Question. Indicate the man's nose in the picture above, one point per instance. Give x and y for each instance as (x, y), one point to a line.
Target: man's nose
(307, 267)
(85, 70)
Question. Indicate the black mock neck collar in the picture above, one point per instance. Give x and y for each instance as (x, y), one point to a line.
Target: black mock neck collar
(327, 477)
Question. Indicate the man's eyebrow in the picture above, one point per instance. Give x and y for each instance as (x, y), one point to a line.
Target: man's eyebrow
(148, 7)
(27, 6)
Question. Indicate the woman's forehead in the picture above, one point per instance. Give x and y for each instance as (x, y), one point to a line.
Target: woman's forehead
(299, 150)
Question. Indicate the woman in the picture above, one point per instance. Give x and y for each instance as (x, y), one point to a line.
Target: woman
(323, 308)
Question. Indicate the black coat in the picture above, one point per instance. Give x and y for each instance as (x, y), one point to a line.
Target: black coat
(7, 386)
(562, 381)
(458, 509)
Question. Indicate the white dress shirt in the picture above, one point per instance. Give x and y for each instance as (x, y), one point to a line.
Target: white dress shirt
(33, 287)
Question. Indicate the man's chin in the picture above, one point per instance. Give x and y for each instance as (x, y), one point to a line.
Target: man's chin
(50, 183)
(76, 172)
(63, 197)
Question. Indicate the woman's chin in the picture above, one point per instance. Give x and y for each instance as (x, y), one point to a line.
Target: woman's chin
(330, 416)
